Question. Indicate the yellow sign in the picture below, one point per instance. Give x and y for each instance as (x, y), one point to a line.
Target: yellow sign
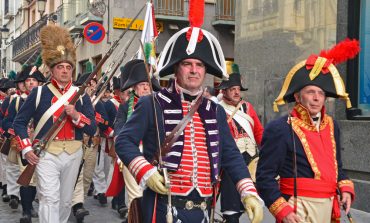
(122, 23)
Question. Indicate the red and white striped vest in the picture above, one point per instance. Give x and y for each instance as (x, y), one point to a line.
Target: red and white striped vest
(194, 171)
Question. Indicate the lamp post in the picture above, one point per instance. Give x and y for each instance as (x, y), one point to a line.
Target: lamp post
(41, 6)
(4, 30)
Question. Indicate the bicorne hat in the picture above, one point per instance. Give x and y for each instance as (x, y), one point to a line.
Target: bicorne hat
(193, 43)
(319, 71)
(137, 75)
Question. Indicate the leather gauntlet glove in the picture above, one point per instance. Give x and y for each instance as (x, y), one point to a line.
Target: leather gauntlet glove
(156, 183)
(254, 208)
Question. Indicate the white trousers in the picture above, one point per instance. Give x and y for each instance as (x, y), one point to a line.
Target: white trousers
(56, 178)
(101, 172)
(12, 175)
(2, 168)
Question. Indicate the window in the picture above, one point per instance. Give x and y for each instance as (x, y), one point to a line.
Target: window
(364, 65)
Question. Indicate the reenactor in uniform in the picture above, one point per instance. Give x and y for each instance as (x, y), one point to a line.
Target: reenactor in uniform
(247, 131)
(12, 168)
(6, 87)
(29, 78)
(58, 165)
(194, 158)
(135, 80)
(303, 147)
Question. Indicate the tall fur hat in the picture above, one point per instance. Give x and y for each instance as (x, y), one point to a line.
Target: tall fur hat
(57, 46)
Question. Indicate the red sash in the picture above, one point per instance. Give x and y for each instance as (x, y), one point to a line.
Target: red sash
(308, 187)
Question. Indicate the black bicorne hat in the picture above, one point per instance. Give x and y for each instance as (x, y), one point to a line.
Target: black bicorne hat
(7, 84)
(125, 71)
(319, 71)
(208, 50)
(81, 79)
(138, 74)
(234, 80)
(29, 71)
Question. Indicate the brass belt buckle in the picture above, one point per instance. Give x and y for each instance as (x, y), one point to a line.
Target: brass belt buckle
(189, 205)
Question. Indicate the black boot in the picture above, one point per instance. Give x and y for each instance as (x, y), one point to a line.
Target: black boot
(14, 202)
(79, 212)
(102, 199)
(234, 218)
(27, 197)
(91, 190)
(123, 212)
(26, 218)
(5, 195)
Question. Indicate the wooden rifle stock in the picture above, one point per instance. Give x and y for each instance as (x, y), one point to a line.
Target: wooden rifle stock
(26, 176)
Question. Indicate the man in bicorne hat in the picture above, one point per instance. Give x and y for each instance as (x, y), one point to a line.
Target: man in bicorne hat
(247, 131)
(57, 167)
(203, 145)
(308, 162)
(136, 80)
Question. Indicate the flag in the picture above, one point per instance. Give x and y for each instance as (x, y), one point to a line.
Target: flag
(148, 36)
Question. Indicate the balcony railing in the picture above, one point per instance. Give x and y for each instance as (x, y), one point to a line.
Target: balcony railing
(28, 38)
(169, 7)
(225, 10)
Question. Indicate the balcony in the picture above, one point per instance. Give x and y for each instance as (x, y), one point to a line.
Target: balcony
(170, 10)
(225, 13)
(29, 41)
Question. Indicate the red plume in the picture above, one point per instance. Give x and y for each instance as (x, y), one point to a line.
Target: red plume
(196, 12)
(347, 49)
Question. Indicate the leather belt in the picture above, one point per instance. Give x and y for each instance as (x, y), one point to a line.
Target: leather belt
(188, 204)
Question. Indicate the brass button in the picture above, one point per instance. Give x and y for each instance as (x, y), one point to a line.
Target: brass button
(189, 205)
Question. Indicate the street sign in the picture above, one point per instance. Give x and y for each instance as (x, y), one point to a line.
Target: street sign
(122, 23)
(94, 32)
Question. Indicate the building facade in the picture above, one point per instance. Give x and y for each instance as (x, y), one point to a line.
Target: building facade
(271, 36)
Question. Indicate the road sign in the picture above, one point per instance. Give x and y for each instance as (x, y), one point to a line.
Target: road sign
(122, 23)
(94, 32)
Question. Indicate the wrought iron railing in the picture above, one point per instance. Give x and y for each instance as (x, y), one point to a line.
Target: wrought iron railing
(28, 38)
(225, 10)
(169, 7)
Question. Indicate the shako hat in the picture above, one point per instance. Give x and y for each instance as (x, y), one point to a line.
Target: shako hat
(57, 46)
(319, 71)
(234, 80)
(193, 42)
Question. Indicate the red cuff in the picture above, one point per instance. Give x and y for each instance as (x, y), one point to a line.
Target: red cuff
(82, 121)
(2, 131)
(23, 142)
(347, 186)
(99, 118)
(11, 131)
(245, 185)
(280, 208)
(139, 167)
(108, 131)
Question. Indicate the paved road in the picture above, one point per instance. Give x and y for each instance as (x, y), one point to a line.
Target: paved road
(100, 214)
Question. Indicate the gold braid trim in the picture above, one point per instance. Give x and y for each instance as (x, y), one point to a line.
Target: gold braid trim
(296, 127)
(332, 137)
(346, 183)
(278, 205)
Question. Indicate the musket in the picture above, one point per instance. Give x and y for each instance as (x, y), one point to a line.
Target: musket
(169, 217)
(25, 178)
(111, 75)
